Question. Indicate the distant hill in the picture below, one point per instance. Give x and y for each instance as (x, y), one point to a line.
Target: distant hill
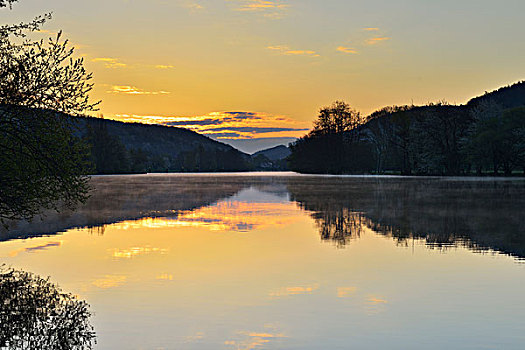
(118, 147)
(274, 153)
(271, 159)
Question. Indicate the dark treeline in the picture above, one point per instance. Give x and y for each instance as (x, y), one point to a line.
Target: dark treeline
(117, 148)
(487, 135)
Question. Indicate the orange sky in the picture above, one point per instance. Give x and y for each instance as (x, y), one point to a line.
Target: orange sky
(272, 64)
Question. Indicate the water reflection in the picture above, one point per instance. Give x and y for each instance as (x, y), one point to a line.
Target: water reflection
(35, 314)
(480, 214)
(235, 262)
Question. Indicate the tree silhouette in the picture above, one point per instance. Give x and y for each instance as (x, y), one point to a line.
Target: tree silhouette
(36, 314)
(42, 161)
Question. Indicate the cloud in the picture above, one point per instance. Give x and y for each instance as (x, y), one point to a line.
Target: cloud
(110, 62)
(346, 49)
(164, 66)
(132, 90)
(255, 130)
(272, 9)
(261, 5)
(376, 40)
(229, 125)
(194, 6)
(371, 29)
(285, 50)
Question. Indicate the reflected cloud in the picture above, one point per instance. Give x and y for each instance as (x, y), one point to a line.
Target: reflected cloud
(373, 300)
(34, 249)
(224, 216)
(109, 281)
(345, 292)
(236, 216)
(254, 340)
(195, 337)
(135, 251)
(375, 304)
(164, 277)
(296, 290)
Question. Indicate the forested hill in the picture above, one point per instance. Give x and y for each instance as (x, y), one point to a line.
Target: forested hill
(118, 147)
(507, 97)
(484, 136)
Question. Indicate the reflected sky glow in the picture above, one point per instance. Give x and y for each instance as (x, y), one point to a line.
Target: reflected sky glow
(253, 271)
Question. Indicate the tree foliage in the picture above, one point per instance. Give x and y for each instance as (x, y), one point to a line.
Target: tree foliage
(36, 314)
(486, 135)
(43, 163)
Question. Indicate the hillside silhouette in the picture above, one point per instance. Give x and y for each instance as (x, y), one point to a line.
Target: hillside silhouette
(484, 136)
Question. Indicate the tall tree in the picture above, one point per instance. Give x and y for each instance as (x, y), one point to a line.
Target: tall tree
(42, 162)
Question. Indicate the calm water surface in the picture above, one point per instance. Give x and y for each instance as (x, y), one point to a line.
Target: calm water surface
(289, 262)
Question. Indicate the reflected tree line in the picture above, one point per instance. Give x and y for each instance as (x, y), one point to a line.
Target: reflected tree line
(479, 215)
(122, 198)
(36, 314)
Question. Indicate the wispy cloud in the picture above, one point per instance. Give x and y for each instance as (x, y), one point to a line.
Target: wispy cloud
(371, 29)
(110, 62)
(192, 5)
(345, 49)
(272, 9)
(132, 90)
(376, 40)
(164, 66)
(285, 50)
(261, 5)
(233, 125)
